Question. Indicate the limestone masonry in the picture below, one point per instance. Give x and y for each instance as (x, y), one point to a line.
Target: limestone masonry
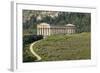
(46, 29)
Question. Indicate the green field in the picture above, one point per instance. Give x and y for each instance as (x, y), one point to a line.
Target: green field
(64, 47)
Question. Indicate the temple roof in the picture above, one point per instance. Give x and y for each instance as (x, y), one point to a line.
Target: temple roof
(44, 24)
(56, 26)
(69, 25)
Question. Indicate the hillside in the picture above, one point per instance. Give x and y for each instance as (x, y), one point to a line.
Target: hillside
(64, 47)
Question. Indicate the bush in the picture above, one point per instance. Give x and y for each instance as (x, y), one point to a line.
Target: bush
(31, 38)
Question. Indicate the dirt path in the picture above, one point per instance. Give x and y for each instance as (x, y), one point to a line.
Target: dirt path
(33, 52)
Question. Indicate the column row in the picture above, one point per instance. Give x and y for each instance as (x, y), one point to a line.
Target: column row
(43, 31)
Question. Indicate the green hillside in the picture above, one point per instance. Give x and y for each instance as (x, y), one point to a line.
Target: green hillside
(64, 47)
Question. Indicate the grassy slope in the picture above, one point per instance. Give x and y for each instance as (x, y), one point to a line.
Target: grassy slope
(64, 47)
(27, 55)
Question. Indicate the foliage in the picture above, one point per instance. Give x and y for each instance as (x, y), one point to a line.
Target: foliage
(31, 38)
(81, 20)
(27, 55)
(27, 40)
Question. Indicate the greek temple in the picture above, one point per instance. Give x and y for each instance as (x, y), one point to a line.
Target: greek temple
(47, 30)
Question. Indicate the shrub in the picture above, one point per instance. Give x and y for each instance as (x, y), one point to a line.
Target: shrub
(31, 38)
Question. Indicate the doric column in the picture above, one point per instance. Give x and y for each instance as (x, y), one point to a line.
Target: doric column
(41, 31)
(45, 31)
(70, 30)
(49, 31)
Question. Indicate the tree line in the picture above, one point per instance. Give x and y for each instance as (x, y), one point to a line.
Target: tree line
(82, 21)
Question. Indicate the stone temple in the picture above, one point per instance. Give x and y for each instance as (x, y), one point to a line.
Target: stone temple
(47, 30)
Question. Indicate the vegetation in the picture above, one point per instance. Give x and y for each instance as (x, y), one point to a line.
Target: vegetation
(56, 47)
(27, 55)
(64, 47)
(27, 40)
(81, 20)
